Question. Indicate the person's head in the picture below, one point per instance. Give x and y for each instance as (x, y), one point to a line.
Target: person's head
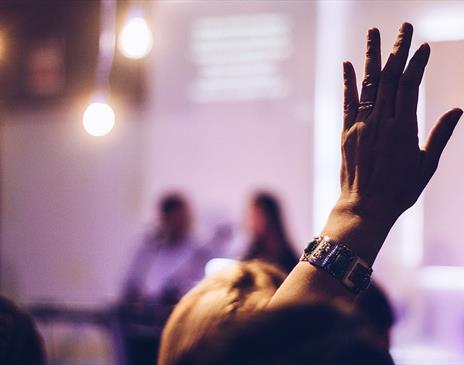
(315, 333)
(265, 216)
(215, 304)
(20, 342)
(375, 307)
(175, 215)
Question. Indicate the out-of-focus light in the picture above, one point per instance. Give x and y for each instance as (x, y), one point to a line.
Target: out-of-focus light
(216, 265)
(426, 353)
(107, 42)
(98, 119)
(2, 45)
(442, 25)
(331, 22)
(135, 40)
(449, 278)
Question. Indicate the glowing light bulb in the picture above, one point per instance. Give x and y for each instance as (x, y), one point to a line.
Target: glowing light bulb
(135, 39)
(98, 119)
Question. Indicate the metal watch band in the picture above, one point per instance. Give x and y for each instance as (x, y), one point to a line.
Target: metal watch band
(339, 261)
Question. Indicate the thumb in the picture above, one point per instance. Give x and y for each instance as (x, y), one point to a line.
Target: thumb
(438, 138)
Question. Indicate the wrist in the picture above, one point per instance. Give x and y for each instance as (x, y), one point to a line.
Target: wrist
(384, 210)
(361, 227)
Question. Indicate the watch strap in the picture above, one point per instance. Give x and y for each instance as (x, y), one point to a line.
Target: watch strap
(339, 261)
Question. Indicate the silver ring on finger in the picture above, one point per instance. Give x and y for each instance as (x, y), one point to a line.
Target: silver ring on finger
(365, 106)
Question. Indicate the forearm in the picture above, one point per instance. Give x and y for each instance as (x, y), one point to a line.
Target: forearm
(362, 230)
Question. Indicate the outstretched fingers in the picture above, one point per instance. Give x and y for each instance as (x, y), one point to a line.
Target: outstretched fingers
(350, 96)
(437, 140)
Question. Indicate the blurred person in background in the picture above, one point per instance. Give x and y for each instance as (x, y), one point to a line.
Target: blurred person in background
(20, 342)
(269, 239)
(375, 307)
(169, 262)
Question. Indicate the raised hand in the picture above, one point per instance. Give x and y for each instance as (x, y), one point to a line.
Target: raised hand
(383, 167)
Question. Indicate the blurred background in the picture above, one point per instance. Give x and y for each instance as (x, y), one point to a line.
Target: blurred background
(107, 106)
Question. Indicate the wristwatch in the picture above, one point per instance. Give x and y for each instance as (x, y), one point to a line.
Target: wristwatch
(339, 261)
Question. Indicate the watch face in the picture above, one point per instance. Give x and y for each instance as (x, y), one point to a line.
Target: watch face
(340, 265)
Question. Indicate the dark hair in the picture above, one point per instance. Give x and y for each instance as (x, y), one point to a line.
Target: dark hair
(374, 305)
(20, 342)
(171, 202)
(303, 334)
(215, 303)
(270, 208)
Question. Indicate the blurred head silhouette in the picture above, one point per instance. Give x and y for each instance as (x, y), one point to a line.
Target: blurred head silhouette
(215, 304)
(175, 217)
(314, 333)
(265, 218)
(373, 305)
(269, 240)
(20, 342)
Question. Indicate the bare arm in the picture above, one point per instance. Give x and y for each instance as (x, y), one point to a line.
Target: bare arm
(384, 170)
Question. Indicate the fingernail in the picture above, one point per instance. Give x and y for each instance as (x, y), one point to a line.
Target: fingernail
(372, 32)
(345, 69)
(405, 27)
(424, 48)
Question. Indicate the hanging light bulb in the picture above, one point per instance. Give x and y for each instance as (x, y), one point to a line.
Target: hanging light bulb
(98, 117)
(135, 39)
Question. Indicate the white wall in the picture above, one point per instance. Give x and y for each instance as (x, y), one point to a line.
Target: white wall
(70, 206)
(73, 206)
(220, 152)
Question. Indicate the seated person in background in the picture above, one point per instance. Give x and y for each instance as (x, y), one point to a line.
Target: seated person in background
(269, 240)
(20, 343)
(383, 173)
(170, 261)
